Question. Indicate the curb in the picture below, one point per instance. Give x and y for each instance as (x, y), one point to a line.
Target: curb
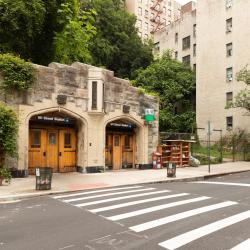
(18, 197)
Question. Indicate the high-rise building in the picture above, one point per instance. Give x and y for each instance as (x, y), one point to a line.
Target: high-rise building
(220, 48)
(153, 15)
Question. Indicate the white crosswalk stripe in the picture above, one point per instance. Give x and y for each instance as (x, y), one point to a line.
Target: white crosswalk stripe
(197, 233)
(109, 194)
(223, 183)
(97, 210)
(114, 199)
(179, 216)
(245, 245)
(155, 208)
(108, 203)
(94, 191)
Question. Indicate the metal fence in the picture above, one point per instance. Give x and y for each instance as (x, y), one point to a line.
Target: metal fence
(234, 146)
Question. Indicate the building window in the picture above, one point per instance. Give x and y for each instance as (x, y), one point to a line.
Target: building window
(146, 26)
(229, 25)
(176, 37)
(164, 10)
(176, 55)
(152, 28)
(139, 23)
(186, 43)
(169, 13)
(94, 95)
(194, 67)
(186, 60)
(36, 139)
(229, 97)
(67, 140)
(169, 2)
(229, 3)
(194, 30)
(157, 46)
(229, 74)
(229, 49)
(164, 21)
(140, 34)
(140, 11)
(229, 120)
(194, 50)
(146, 13)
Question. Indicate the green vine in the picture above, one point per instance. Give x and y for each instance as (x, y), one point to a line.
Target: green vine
(17, 73)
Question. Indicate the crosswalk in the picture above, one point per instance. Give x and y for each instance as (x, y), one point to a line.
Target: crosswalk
(144, 209)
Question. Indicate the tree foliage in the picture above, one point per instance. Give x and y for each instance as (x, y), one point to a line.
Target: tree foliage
(242, 99)
(72, 43)
(117, 45)
(21, 23)
(175, 84)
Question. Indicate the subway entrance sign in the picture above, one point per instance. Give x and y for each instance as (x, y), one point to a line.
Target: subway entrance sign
(149, 115)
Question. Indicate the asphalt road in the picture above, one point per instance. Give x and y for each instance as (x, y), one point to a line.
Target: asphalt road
(210, 215)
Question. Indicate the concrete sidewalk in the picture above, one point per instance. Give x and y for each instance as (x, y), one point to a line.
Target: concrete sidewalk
(67, 182)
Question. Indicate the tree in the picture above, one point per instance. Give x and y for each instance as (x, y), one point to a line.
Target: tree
(175, 84)
(117, 45)
(72, 43)
(242, 99)
(21, 23)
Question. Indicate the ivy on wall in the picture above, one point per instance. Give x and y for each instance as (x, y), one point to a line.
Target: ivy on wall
(17, 73)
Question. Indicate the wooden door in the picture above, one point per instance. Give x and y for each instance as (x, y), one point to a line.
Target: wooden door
(37, 149)
(52, 149)
(127, 150)
(117, 152)
(108, 150)
(67, 150)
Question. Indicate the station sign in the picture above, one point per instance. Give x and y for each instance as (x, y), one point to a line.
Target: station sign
(149, 115)
(121, 125)
(65, 120)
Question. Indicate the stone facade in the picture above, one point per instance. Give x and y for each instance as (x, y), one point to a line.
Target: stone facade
(75, 82)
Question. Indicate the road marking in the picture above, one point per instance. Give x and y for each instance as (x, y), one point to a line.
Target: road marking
(155, 208)
(197, 233)
(224, 183)
(95, 191)
(113, 199)
(245, 245)
(138, 202)
(109, 194)
(179, 216)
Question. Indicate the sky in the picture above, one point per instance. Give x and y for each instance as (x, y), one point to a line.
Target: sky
(183, 1)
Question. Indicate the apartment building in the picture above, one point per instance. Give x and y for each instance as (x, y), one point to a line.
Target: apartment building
(180, 36)
(213, 35)
(223, 37)
(153, 15)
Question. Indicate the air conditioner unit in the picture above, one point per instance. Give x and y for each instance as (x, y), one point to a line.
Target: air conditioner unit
(230, 79)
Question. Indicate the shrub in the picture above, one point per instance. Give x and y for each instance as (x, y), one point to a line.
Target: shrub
(17, 73)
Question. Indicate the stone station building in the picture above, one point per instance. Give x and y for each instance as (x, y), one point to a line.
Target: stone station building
(80, 117)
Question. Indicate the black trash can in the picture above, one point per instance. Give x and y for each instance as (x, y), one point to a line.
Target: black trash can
(43, 178)
(171, 169)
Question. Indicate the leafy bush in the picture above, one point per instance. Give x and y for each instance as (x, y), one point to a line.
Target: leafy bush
(8, 131)
(17, 73)
(5, 174)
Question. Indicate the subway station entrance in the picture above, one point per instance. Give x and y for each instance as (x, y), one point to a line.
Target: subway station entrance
(120, 145)
(52, 142)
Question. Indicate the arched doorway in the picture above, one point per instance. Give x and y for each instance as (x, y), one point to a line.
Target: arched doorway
(120, 144)
(53, 142)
